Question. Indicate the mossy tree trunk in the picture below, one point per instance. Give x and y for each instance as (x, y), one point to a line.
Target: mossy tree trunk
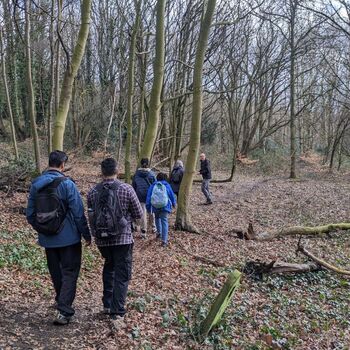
(8, 100)
(158, 72)
(220, 304)
(183, 221)
(69, 76)
(131, 86)
(31, 99)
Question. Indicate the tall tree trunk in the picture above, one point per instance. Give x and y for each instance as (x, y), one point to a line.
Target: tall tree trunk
(131, 86)
(293, 7)
(8, 100)
(69, 76)
(52, 71)
(31, 99)
(158, 72)
(183, 221)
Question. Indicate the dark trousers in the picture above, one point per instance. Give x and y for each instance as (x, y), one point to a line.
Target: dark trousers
(116, 276)
(64, 266)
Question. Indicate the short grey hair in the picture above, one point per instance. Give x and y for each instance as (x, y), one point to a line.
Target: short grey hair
(179, 163)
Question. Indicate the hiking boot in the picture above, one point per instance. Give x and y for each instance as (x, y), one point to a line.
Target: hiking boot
(164, 244)
(106, 310)
(209, 202)
(61, 320)
(117, 322)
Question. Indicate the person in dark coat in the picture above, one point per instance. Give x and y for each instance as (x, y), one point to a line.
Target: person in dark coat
(176, 177)
(205, 171)
(141, 182)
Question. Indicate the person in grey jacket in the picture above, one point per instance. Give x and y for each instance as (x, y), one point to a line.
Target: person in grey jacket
(63, 250)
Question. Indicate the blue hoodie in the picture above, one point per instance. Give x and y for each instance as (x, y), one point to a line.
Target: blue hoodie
(171, 201)
(75, 223)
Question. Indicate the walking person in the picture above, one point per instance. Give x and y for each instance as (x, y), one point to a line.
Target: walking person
(176, 177)
(205, 171)
(141, 182)
(112, 206)
(160, 201)
(55, 210)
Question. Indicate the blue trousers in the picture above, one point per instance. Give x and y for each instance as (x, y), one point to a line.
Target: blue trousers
(161, 219)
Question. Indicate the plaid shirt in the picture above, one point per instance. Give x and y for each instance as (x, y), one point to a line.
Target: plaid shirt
(131, 209)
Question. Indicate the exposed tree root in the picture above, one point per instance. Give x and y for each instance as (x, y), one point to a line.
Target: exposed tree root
(321, 262)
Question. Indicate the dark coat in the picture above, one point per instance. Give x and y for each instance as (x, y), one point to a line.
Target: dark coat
(142, 180)
(176, 178)
(205, 170)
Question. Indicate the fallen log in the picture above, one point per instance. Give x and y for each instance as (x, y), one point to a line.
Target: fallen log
(257, 269)
(250, 234)
(321, 262)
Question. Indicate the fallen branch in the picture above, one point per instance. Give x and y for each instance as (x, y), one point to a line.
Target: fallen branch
(202, 258)
(291, 231)
(258, 269)
(321, 262)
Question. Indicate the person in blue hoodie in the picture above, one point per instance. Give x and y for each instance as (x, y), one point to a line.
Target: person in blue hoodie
(63, 249)
(161, 205)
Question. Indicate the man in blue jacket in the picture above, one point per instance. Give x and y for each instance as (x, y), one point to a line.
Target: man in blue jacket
(63, 249)
(141, 182)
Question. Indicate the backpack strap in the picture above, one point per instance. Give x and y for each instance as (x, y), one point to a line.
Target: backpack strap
(55, 183)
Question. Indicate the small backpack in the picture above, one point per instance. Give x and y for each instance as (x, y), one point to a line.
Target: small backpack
(106, 216)
(50, 210)
(176, 176)
(159, 197)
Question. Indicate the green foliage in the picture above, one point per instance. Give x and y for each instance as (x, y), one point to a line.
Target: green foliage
(18, 251)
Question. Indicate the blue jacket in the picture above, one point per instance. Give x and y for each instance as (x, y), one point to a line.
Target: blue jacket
(75, 223)
(171, 201)
(141, 181)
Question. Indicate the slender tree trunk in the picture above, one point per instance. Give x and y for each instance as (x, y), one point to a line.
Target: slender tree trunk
(52, 70)
(183, 221)
(293, 7)
(69, 76)
(8, 100)
(158, 71)
(131, 86)
(31, 99)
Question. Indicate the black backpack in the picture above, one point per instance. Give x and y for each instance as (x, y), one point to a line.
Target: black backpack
(106, 216)
(50, 210)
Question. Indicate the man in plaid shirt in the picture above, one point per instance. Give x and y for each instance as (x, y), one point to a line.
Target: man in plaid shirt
(116, 249)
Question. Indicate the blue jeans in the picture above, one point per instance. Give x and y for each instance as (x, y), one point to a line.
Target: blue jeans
(162, 224)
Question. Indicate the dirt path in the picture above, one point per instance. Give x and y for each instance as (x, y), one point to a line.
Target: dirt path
(170, 289)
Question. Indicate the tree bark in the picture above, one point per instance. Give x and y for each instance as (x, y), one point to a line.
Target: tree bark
(183, 220)
(31, 98)
(69, 76)
(220, 304)
(131, 86)
(158, 71)
(8, 100)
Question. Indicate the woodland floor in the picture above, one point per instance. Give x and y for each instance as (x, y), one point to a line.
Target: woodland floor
(170, 290)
